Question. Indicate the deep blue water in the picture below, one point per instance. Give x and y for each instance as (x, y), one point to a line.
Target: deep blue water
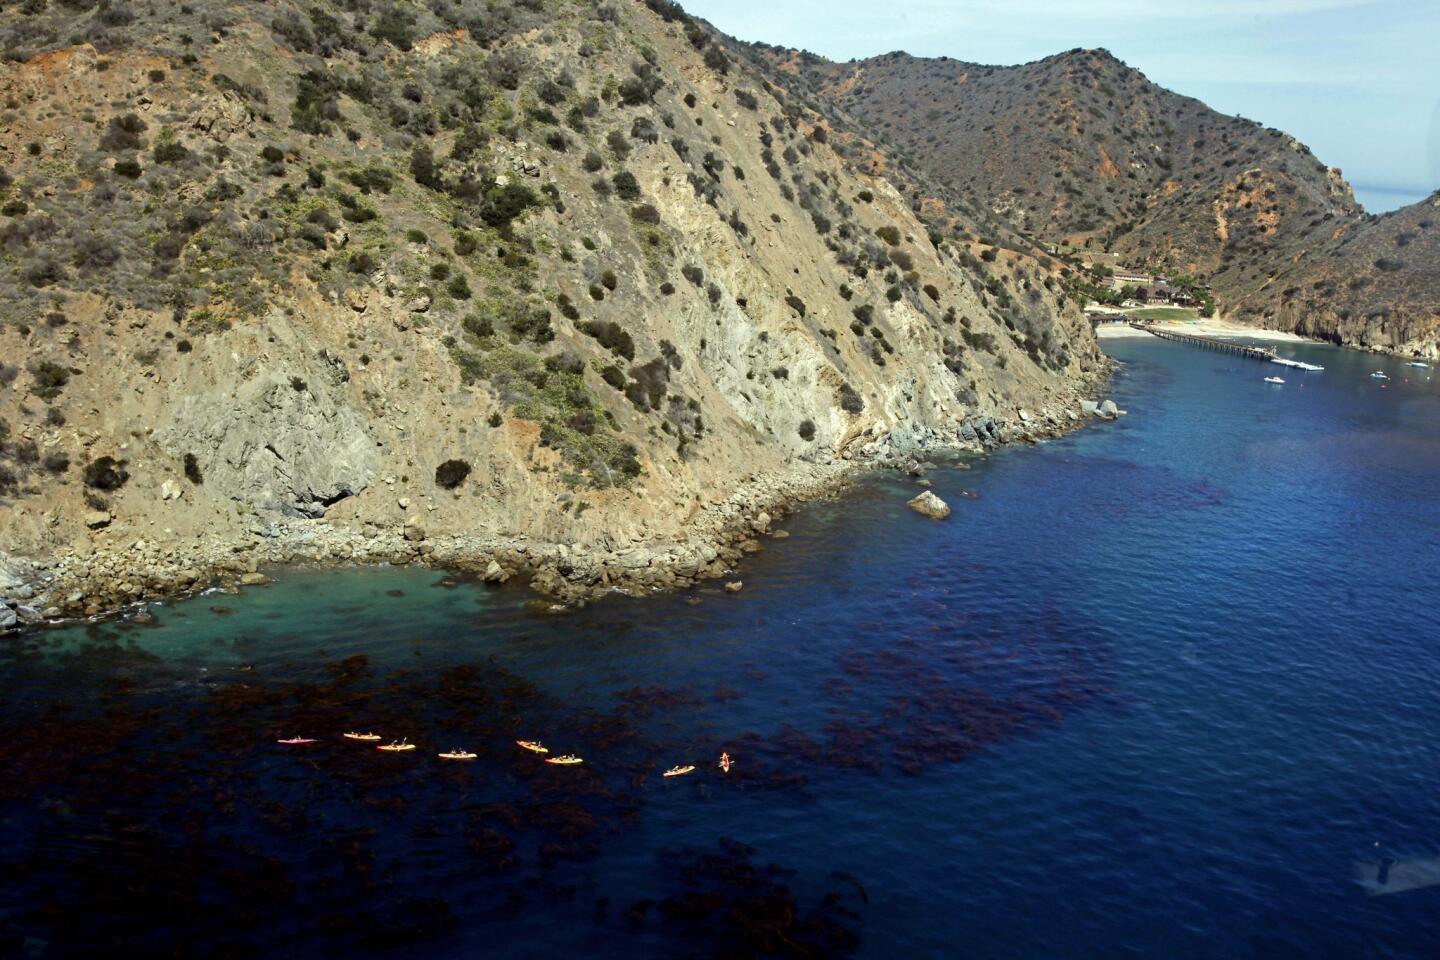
(1156, 689)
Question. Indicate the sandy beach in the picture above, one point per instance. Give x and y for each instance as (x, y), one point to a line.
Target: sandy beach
(1205, 328)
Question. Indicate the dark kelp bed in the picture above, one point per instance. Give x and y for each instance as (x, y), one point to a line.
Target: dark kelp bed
(157, 806)
(1137, 696)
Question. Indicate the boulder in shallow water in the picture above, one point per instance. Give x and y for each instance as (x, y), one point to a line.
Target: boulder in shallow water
(734, 586)
(253, 579)
(1108, 410)
(930, 505)
(8, 617)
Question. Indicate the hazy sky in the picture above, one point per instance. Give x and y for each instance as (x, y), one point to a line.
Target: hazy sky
(1359, 83)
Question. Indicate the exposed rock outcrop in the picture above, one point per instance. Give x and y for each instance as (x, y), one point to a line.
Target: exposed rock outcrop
(929, 505)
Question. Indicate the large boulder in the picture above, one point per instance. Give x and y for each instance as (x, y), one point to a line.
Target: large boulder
(930, 505)
(14, 574)
(8, 617)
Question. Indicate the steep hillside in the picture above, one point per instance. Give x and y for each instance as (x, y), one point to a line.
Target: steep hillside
(555, 284)
(1374, 285)
(1080, 147)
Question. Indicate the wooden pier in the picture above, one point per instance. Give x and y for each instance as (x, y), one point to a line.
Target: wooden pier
(1210, 343)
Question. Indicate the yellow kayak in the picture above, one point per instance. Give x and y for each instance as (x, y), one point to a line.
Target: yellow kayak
(367, 737)
(534, 746)
(568, 760)
(457, 755)
(400, 747)
(679, 771)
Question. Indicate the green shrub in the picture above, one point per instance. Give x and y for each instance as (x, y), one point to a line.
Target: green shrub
(168, 149)
(451, 474)
(645, 213)
(123, 133)
(504, 204)
(890, 235)
(106, 473)
(192, 470)
(807, 430)
(478, 326)
(50, 379)
(614, 376)
(611, 336)
(626, 186)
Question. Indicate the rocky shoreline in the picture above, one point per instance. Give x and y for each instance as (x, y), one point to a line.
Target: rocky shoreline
(113, 580)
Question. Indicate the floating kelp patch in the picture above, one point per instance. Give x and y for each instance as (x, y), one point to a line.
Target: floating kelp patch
(726, 905)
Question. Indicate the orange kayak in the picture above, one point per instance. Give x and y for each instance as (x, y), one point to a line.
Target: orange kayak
(679, 771)
(534, 746)
(396, 747)
(568, 760)
(367, 737)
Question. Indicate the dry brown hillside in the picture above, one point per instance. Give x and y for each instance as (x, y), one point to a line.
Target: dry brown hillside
(554, 282)
(1376, 284)
(1081, 147)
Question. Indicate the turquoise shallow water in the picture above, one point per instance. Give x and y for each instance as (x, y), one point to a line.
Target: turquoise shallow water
(1158, 688)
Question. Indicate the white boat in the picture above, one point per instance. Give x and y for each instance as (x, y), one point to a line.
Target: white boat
(1273, 380)
(1417, 363)
(1377, 375)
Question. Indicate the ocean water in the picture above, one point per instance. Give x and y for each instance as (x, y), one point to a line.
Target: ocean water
(1158, 688)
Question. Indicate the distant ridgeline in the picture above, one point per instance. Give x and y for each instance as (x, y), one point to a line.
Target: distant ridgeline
(1080, 151)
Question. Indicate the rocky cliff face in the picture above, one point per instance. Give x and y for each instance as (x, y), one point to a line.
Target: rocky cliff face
(1374, 284)
(535, 284)
(1081, 148)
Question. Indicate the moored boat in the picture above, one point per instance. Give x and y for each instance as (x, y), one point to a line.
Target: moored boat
(1273, 380)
